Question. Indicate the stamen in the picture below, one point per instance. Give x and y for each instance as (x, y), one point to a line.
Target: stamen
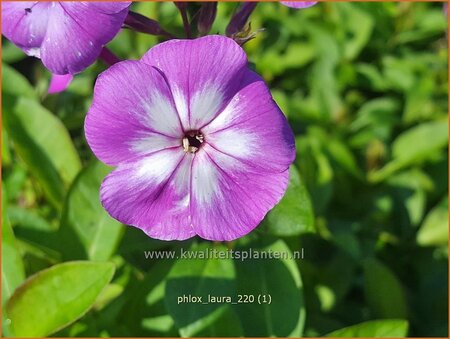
(192, 141)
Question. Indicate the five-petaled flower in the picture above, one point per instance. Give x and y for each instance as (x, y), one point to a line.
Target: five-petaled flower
(67, 36)
(200, 146)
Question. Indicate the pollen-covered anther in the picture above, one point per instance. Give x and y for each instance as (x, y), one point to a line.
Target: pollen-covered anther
(192, 141)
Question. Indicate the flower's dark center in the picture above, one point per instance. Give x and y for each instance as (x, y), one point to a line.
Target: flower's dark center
(192, 141)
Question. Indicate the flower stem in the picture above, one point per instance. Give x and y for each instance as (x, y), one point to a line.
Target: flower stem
(108, 57)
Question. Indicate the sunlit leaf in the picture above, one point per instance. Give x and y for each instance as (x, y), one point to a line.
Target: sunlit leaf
(55, 297)
(434, 230)
(373, 329)
(85, 219)
(293, 215)
(34, 131)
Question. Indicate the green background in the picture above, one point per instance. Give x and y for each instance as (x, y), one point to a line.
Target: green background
(364, 86)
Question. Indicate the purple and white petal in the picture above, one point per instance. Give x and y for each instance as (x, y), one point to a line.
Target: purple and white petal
(229, 198)
(106, 7)
(204, 74)
(152, 194)
(67, 36)
(132, 114)
(76, 35)
(298, 4)
(194, 139)
(25, 24)
(252, 129)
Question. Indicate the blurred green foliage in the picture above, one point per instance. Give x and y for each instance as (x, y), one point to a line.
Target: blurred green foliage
(364, 86)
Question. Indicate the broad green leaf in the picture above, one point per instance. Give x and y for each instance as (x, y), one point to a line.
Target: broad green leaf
(13, 272)
(421, 141)
(377, 115)
(434, 230)
(147, 299)
(297, 55)
(357, 28)
(414, 146)
(342, 155)
(162, 323)
(279, 278)
(373, 329)
(294, 214)
(16, 84)
(316, 172)
(29, 219)
(327, 98)
(409, 189)
(227, 324)
(384, 292)
(85, 218)
(55, 297)
(44, 144)
(6, 151)
(206, 275)
(11, 53)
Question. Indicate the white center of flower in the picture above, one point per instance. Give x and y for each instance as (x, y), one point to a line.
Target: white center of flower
(192, 141)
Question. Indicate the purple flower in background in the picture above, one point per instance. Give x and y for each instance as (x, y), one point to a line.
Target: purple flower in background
(67, 36)
(200, 146)
(59, 83)
(298, 4)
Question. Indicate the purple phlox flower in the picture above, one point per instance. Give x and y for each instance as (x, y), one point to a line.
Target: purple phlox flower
(200, 146)
(67, 36)
(298, 4)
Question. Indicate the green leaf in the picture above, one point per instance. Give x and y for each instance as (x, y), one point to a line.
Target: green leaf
(294, 214)
(279, 278)
(426, 138)
(357, 28)
(29, 219)
(409, 189)
(11, 53)
(384, 292)
(205, 275)
(373, 329)
(414, 146)
(85, 219)
(44, 144)
(434, 230)
(227, 324)
(13, 272)
(342, 155)
(55, 297)
(16, 84)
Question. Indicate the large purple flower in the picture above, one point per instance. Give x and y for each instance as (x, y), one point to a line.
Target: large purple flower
(67, 36)
(199, 144)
